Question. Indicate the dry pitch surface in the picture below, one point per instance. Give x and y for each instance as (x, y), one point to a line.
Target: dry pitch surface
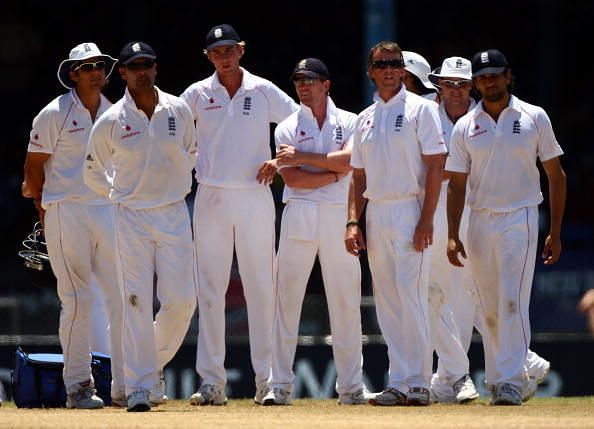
(307, 413)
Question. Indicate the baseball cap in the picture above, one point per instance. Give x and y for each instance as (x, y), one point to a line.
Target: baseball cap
(80, 53)
(490, 61)
(419, 66)
(311, 67)
(221, 35)
(456, 67)
(134, 50)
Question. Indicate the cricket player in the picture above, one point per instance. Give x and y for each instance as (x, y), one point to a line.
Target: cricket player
(495, 148)
(78, 222)
(313, 153)
(148, 137)
(233, 110)
(397, 157)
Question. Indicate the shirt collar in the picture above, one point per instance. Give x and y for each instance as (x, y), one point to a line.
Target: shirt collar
(514, 104)
(162, 101)
(247, 81)
(103, 104)
(331, 111)
(400, 95)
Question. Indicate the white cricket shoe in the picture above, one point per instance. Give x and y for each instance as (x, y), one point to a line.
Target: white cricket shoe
(138, 401)
(85, 399)
(157, 394)
(536, 375)
(358, 397)
(209, 394)
(506, 394)
(389, 397)
(261, 392)
(277, 396)
(465, 390)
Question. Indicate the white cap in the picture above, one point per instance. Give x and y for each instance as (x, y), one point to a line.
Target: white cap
(79, 53)
(456, 67)
(417, 65)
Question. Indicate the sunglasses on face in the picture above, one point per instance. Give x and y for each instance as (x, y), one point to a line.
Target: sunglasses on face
(304, 81)
(141, 65)
(384, 64)
(453, 84)
(89, 67)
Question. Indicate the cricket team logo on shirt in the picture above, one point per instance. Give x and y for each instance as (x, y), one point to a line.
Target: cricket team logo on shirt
(171, 125)
(247, 105)
(398, 123)
(516, 127)
(338, 135)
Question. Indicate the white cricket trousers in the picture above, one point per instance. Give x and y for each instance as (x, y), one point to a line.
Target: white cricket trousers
(80, 242)
(224, 218)
(148, 242)
(443, 296)
(307, 230)
(400, 284)
(502, 248)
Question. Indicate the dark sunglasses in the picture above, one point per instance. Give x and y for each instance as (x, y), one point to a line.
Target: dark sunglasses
(304, 81)
(453, 84)
(89, 67)
(384, 64)
(144, 65)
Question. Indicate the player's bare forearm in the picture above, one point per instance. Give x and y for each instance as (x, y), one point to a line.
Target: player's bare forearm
(356, 198)
(34, 173)
(295, 177)
(455, 203)
(338, 161)
(551, 251)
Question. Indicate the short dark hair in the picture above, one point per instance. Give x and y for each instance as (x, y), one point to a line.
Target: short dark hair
(386, 46)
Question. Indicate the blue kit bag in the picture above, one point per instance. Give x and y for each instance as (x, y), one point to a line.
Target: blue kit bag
(37, 379)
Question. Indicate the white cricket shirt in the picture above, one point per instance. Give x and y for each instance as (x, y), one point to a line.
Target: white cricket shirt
(500, 158)
(152, 160)
(390, 138)
(233, 134)
(62, 129)
(301, 131)
(446, 123)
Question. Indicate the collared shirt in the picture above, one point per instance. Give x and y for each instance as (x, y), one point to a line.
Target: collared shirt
(500, 157)
(446, 123)
(152, 159)
(390, 139)
(233, 134)
(301, 131)
(62, 129)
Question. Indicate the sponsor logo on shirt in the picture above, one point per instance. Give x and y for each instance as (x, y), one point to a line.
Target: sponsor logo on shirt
(304, 139)
(34, 143)
(477, 134)
(132, 134)
(76, 130)
(211, 101)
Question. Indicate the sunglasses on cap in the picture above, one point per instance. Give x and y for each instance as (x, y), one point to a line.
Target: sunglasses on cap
(89, 67)
(453, 84)
(141, 65)
(304, 81)
(384, 64)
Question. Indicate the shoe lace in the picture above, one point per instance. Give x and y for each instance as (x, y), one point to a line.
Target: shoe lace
(462, 383)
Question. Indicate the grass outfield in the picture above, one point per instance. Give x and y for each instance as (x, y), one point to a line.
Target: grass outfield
(564, 413)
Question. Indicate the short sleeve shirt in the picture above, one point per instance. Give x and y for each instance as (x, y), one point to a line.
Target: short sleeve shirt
(500, 157)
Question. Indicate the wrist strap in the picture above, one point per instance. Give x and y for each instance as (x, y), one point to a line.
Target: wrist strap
(352, 222)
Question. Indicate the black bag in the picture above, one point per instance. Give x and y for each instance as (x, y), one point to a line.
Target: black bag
(37, 380)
